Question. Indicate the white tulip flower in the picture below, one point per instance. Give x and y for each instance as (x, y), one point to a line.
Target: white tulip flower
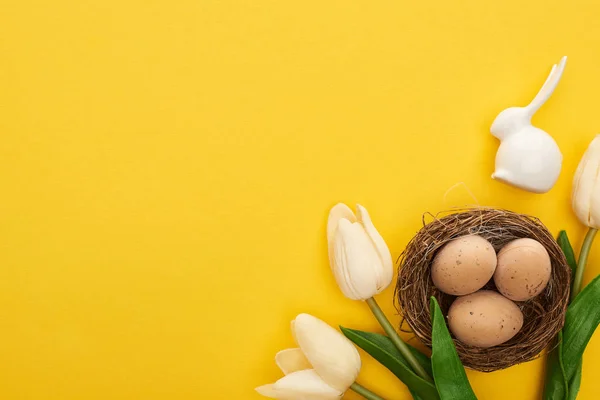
(586, 186)
(362, 265)
(360, 260)
(324, 366)
(586, 205)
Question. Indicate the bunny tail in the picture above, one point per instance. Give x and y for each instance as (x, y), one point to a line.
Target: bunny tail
(501, 175)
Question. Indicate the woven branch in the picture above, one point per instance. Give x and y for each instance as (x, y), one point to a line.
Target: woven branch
(543, 315)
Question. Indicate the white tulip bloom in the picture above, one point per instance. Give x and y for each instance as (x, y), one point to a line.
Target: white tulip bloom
(358, 255)
(322, 368)
(586, 186)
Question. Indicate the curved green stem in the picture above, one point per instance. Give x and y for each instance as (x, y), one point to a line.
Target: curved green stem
(395, 338)
(583, 256)
(364, 392)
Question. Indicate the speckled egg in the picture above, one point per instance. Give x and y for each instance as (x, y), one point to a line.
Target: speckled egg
(484, 319)
(523, 269)
(464, 265)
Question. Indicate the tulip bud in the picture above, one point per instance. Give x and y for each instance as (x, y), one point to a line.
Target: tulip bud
(586, 186)
(330, 353)
(360, 260)
(323, 368)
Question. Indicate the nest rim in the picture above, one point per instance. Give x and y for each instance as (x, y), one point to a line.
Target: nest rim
(543, 315)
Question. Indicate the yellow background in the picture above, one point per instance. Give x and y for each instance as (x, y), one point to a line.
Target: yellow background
(166, 168)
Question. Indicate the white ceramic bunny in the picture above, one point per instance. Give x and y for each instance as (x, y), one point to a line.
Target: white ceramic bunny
(528, 157)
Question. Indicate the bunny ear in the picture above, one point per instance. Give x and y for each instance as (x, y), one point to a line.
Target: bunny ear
(549, 86)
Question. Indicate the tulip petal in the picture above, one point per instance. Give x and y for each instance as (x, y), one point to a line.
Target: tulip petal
(356, 261)
(585, 199)
(268, 391)
(595, 203)
(291, 360)
(387, 270)
(305, 385)
(340, 268)
(293, 326)
(334, 358)
(338, 212)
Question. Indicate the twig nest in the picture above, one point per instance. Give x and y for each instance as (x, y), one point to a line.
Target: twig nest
(542, 315)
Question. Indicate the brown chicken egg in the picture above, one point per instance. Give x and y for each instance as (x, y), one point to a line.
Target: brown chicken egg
(484, 319)
(523, 269)
(464, 265)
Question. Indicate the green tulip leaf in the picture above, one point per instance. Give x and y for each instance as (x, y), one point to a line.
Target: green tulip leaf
(565, 245)
(582, 318)
(448, 372)
(575, 382)
(382, 349)
(556, 387)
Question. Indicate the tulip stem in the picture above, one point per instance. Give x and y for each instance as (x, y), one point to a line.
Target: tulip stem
(364, 392)
(583, 256)
(395, 338)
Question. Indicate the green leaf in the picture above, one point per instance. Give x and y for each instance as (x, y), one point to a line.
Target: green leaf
(448, 372)
(556, 387)
(565, 245)
(572, 388)
(423, 359)
(382, 349)
(583, 316)
(575, 382)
